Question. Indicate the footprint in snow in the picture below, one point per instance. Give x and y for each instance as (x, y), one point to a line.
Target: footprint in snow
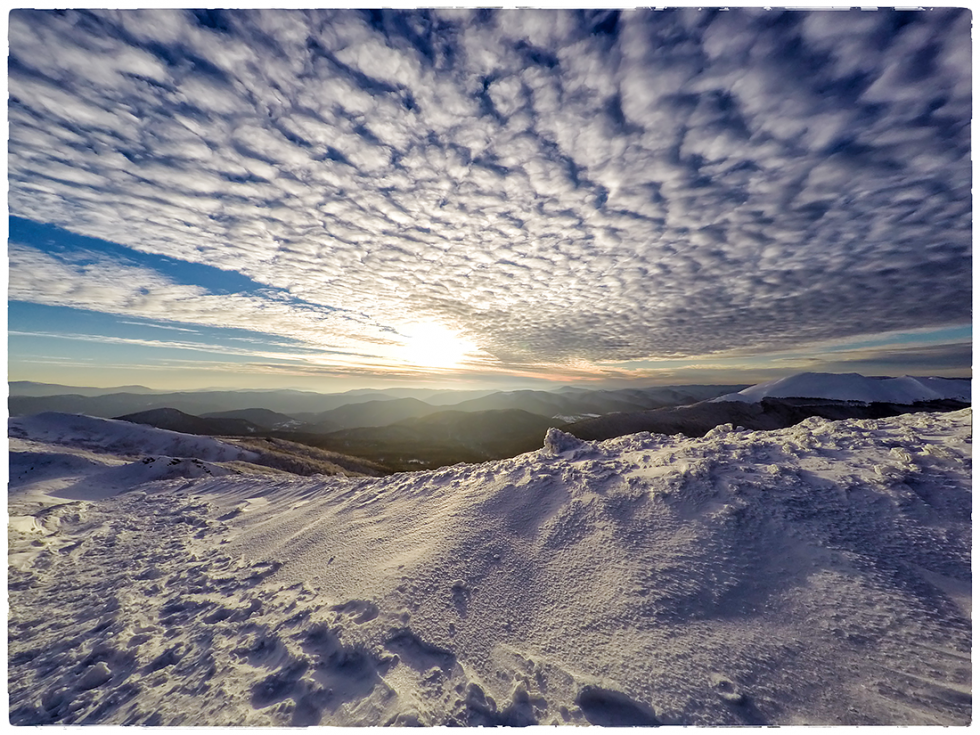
(360, 611)
(461, 597)
(95, 676)
(419, 654)
(609, 708)
(740, 702)
(726, 689)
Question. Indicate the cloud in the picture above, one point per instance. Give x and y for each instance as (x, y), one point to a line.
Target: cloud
(93, 282)
(135, 342)
(159, 326)
(952, 359)
(560, 187)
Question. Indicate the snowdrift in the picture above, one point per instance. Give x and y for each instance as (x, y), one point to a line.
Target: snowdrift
(812, 575)
(854, 387)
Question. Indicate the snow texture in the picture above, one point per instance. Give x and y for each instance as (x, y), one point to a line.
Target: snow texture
(813, 575)
(854, 387)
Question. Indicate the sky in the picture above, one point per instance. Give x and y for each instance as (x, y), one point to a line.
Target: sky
(337, 199)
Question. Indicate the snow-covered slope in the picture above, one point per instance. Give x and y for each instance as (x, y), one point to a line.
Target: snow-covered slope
(854, 387)
(818, 574)
(38, 470)
(112, 436)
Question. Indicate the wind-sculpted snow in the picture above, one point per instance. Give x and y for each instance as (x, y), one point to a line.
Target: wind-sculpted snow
(557, 442)
(853, 387)
(813, 575)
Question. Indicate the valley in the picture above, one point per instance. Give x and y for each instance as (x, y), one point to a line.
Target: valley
(400, 433)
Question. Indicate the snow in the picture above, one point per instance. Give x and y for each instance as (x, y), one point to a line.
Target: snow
(813, 575)
(854, 387)
(121, 437)
(572, 418)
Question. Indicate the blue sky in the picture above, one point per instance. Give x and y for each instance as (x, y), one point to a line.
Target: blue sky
(336, 199)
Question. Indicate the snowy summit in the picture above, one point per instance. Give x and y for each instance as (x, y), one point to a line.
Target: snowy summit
(857, 388)
(818, 574)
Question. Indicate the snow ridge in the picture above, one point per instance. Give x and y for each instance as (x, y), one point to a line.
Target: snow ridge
(854, 387)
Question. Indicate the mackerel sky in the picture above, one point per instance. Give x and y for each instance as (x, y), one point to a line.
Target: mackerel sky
(282, 198)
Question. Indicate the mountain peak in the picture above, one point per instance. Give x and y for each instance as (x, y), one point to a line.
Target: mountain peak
(906, 390)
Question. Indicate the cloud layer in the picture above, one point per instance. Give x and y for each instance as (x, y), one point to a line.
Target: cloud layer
(560, 187)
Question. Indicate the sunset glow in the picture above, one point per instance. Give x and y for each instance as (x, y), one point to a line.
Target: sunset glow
(433, 345)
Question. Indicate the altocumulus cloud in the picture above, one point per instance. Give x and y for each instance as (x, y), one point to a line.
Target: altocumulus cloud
(90, 281)
(560, 187)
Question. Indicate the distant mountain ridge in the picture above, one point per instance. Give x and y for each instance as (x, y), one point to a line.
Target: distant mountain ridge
(260, 417)
(310, 407)
(370, 413)
(406, 433)
(173, 420)
(292, 403)
(785, 402)
(31, 388)
(443, 438)
(433, 439)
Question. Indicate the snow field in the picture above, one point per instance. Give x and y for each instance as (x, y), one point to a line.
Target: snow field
(813, 575)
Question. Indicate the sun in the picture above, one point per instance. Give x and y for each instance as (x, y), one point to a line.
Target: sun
(432, 345)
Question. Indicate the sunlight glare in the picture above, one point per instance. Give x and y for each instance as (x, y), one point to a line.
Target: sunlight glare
(433, 345)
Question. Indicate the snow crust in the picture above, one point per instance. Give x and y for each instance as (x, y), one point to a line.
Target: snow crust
(813, 575)
(854, 387)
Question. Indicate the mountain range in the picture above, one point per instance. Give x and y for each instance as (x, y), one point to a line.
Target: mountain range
(401, 432)
(442, 438)
(337, 411)
(785, 402)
